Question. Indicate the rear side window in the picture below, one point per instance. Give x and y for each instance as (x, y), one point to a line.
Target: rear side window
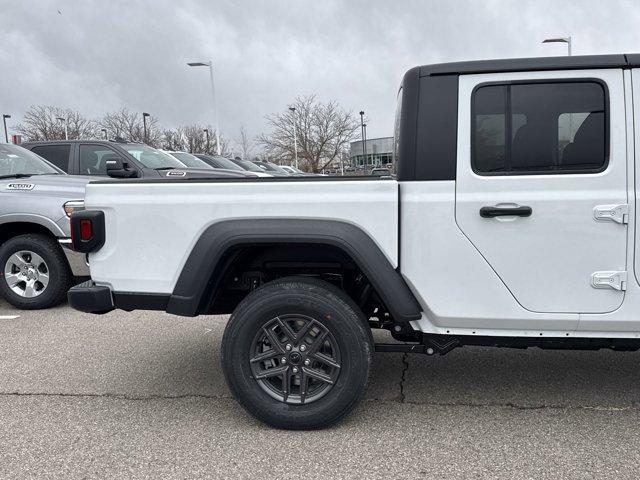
(539, 128)
(56, 154)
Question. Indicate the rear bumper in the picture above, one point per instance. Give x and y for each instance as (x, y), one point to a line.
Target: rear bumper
(91, 298)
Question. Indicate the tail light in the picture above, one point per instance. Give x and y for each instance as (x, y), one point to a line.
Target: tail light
(87, 230)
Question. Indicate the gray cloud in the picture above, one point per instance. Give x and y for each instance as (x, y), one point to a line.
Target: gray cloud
(97, 56)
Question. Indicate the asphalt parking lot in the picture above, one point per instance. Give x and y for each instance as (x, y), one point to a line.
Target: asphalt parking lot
(141, 395)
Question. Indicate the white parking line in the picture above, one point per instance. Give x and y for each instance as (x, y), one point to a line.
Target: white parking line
(9, 317)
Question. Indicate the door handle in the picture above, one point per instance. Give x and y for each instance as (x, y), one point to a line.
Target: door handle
(491, 212)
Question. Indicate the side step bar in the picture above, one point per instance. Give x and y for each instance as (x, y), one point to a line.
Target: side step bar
(443, 344)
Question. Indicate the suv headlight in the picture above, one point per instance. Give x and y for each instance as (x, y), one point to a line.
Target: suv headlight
(73, 206)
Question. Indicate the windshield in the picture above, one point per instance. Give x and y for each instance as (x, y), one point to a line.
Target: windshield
(226, 163)
(272, 167)
(250, 166)
(152, 158)
(15, 160)
(190, 161)
(278, 168)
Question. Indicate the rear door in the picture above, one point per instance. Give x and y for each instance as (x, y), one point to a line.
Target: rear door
(541, 185)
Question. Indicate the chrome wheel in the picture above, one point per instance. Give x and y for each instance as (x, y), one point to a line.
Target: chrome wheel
(26, 273)
(295, 359)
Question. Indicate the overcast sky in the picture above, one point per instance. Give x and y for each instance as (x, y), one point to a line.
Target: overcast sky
(101, 55)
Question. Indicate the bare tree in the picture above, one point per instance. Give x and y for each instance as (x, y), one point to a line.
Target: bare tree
(193, 139)
(244, 144)
(129, 125)
(41, 122)
(196, 139)
(225, 148)
(173, 139)
(324, 131)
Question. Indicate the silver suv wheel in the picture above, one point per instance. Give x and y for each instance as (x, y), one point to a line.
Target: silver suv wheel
(26, 274)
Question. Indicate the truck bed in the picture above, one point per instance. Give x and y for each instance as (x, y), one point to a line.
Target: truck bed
(172, 214)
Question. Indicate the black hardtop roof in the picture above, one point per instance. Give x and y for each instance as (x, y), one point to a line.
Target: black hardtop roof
(578, 62)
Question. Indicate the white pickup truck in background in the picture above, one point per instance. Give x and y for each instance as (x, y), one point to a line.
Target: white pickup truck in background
(511, 223)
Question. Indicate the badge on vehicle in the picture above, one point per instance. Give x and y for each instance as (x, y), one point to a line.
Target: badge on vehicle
(176, 173)
(20, 186)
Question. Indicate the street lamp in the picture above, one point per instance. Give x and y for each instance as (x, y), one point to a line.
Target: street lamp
(364, 128)
(295, 134)
(213, 93)
(104, 130)
(144, 126)
(206, 132)
(66, 127)
(566, 40)
(364, 151)
(4, 121)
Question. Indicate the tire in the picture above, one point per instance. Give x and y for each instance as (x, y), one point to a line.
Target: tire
(28, 291)
(338, 348)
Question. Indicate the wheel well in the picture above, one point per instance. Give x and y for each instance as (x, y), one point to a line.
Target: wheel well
(13, 229)
(244, 268)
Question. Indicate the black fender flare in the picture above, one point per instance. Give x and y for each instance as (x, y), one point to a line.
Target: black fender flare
(210, 249)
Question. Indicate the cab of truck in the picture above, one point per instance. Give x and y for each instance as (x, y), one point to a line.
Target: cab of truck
(527, 168)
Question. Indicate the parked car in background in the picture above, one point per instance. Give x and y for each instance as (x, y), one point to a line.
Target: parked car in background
(192, 161)
(247, 165)
(291, 170)
(37, 265)
(381, 172)
(218, 161)
(272, 168)
(189, 159)
(117, 159)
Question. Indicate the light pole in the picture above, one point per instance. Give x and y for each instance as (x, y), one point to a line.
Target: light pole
(4, 121)
(213, 93)
(206, 132)
(364, 127)
(566, 40)
(66, 127)
(295, 134)
(104, 130)
(144, 126)
(364, 151)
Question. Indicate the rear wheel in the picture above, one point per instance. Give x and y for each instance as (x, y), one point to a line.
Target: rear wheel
(296, 354)
(35, 273)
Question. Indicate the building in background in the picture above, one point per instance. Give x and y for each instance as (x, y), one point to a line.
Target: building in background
(379, 153)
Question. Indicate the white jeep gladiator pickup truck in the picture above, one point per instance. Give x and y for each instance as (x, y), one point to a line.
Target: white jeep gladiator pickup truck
(512, 223)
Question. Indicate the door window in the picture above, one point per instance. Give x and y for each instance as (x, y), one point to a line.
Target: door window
(539, 128)
(56, 154)
(93, 159)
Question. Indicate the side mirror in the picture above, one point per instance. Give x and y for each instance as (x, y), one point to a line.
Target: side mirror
(117, 168)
